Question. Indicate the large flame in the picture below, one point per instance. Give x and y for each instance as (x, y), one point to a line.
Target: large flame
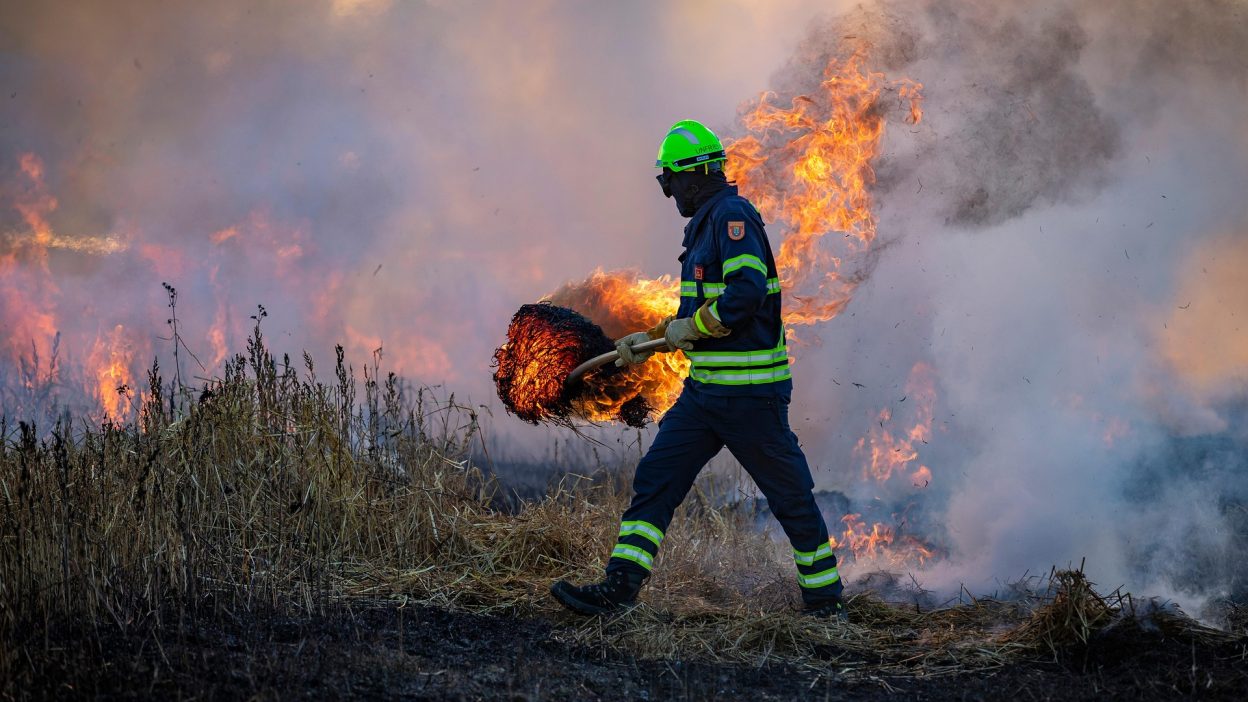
(808, 167)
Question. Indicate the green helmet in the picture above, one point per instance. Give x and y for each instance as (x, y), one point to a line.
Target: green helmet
(688, 144)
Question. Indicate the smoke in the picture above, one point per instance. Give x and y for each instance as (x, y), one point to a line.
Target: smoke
(1060, 237)
(1027, 130)
(1059, 253)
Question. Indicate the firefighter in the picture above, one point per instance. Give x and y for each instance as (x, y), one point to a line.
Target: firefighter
(738, 389)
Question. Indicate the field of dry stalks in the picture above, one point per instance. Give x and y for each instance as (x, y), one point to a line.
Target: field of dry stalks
(275, 535)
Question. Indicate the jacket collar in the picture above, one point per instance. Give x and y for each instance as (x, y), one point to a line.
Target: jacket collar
(691, 228)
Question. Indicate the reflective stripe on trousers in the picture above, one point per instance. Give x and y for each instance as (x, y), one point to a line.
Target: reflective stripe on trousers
(756, 431)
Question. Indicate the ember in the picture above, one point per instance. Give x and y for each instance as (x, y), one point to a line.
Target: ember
(544, 343)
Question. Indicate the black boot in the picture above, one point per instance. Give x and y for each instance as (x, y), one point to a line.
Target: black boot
(832, 608)
(618, 590)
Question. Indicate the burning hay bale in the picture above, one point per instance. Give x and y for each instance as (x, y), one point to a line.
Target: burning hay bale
(545, 343)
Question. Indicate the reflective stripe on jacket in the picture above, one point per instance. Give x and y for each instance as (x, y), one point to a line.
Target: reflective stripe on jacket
(727, 259)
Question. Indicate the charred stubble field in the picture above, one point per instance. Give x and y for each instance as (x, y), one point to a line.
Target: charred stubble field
(384, 651)
(276, 536)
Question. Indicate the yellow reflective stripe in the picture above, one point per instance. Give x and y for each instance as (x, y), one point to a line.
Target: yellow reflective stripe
(634, 554)
(827, 577)
(640, 528)
(697, 319)
(743, 358)
(700, 356)
(809, 557)
(739, 358)
(743, 261)
(741, 377)
(717, 289)
(688, 288)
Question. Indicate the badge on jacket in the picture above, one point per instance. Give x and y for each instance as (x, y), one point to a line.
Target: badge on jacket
(736, 231)
(697, 272)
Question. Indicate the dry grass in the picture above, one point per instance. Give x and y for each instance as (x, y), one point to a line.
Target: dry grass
(275, 492)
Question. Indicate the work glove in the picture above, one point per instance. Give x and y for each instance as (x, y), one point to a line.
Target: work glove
(681, 333)
(625, 348)
(625, 345)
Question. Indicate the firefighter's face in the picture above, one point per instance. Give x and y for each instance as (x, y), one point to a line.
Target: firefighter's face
(665, 181)
(681, 186)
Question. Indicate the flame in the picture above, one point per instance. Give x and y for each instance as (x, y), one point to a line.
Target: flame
(223, 235)
(49, 362)
(109, 368)
(886, 454)
(622, 302)
(881, 544)
(808, 167)
(545, 342)
(36, 207)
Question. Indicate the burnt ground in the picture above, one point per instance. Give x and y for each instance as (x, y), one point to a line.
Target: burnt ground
(418, 653)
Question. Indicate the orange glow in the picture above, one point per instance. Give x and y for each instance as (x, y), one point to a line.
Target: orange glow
(28, 295)
(167, 261)
(27, 291)
(224, 235)
(922, 477)
(35, 207)
(1202, 335)
(216, 337)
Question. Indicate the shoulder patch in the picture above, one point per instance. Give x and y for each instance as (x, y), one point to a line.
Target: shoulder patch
(736, 231)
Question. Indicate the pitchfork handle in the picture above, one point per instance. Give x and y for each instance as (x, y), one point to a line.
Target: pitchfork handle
(604, 359)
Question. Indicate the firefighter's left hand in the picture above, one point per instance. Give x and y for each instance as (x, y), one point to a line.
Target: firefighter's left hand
(681, 333)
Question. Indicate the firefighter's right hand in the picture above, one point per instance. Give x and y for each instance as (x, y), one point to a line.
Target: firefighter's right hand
(625, 348)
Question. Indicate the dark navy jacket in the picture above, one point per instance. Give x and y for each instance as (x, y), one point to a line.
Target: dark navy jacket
(727, 259)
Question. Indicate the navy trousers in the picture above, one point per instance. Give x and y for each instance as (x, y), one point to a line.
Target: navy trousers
(756, 431)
